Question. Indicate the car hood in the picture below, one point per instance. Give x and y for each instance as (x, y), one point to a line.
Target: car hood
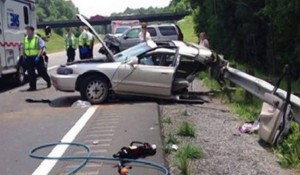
(109, 54)
(96, 60)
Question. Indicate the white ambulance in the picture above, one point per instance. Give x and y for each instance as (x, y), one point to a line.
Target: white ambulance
(15, 15)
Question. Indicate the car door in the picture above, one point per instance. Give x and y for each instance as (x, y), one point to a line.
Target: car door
(131, 38)
(168, 32)
(147, 77)
(153, 33)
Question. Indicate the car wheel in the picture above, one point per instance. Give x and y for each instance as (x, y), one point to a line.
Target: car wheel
(95, 89)
(20, 76)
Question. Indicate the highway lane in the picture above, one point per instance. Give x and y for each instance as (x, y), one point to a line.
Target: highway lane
(24, 125)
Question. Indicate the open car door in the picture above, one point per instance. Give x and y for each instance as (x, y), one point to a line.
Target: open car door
(150, 74)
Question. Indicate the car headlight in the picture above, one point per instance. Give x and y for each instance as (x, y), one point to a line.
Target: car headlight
(64, 71)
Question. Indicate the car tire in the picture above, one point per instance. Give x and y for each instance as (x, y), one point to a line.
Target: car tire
(20, 77)
(95, 89)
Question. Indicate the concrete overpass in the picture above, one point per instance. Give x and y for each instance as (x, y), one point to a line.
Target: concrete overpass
(107, 21)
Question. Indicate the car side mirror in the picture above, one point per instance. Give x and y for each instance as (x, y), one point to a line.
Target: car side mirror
(125, 37)
(133, 61)
(48, 31)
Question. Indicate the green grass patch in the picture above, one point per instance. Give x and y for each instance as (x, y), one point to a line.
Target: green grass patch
(55, 43)
(167, 120)
(167, 148)
(183, 165)
(289, 151)
(171, 139)
(187, 130)
(190, 151)
(187, 27)
(185, 113)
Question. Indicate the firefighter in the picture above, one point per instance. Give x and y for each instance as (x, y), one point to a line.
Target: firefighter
(70, 45)
(33, 52)
(84, 43)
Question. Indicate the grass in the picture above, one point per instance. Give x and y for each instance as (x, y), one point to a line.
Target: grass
(184, 165)
(184, 154)
(167, 148)
(167, 120)
(185, 113)
(289, 151)
(187, 130)
(55, 44)
(171, 139)
(190, 151)
(187, 27)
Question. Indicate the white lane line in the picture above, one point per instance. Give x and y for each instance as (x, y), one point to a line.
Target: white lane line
(53, 67)
(47, 165)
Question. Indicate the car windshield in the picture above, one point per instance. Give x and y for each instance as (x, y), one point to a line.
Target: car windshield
(134, 51)
(121, 30)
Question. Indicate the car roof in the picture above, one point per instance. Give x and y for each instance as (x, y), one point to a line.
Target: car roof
(158, 25)
(185, 49)
(163, 50)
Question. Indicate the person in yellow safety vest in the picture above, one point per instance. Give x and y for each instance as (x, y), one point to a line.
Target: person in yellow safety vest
(84, 43)
(33, 48)
(92, 42)
(70, 45)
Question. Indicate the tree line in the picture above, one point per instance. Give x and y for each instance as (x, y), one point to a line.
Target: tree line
(54, 10)
(261, 33)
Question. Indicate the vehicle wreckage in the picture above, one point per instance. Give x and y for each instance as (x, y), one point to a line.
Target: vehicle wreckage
(165, 71)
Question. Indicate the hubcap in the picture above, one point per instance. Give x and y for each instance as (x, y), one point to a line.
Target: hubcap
(95, 90)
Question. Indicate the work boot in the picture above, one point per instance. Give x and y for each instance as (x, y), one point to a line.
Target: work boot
(31, 89)
(48, 84)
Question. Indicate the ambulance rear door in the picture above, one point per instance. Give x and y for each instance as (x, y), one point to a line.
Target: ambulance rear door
(17, 15)
(2, 52)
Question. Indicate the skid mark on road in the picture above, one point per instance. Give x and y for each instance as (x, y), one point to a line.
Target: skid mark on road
(98, 137)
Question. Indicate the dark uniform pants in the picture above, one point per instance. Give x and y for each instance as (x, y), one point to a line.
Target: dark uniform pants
(71, 54)
(42, 71)
(84, 52)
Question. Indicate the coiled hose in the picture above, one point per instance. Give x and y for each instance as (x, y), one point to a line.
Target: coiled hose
(85, 159)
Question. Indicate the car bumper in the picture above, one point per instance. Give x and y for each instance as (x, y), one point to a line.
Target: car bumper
(64, 83)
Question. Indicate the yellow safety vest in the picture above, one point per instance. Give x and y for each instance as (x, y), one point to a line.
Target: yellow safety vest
(31, 47)
(74, 41)
(87, 40)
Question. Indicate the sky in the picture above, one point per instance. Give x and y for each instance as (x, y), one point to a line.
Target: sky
(106, 7)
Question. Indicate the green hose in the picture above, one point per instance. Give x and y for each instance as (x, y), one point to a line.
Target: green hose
(85, 159)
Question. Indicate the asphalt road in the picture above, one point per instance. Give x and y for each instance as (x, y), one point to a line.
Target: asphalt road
(51, 118)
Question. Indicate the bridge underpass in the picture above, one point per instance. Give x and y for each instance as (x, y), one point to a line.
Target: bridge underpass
(107, 21)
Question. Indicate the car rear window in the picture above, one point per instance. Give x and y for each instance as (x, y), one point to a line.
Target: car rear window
(167, 30)
(152, 31)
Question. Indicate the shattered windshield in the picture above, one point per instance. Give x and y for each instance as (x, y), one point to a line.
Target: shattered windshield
(121, 30)
(134, 51)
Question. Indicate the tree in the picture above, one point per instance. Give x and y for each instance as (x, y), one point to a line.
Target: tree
(54, 10)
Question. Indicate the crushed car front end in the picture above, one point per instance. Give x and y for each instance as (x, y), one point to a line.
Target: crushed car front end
(65, 78)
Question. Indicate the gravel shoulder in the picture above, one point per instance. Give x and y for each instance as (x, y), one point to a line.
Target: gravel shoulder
(227, 151)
